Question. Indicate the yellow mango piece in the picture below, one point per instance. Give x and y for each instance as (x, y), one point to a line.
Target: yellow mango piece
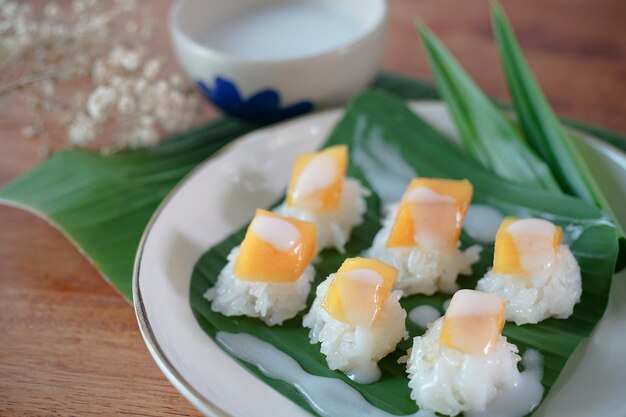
(359, 291)
(507, 256)
(473, 322)
(317, 179)
(275, 249)
(431, 214)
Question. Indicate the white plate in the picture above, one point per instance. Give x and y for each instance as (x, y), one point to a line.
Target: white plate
(221, 195)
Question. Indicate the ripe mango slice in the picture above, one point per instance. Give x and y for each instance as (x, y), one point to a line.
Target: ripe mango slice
(525, 246)
(359, 291)
(431, 214)
(275, 249)
(317, 179)
(473, 322)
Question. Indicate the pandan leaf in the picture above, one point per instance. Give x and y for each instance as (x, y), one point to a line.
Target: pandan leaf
(486, 133)
(541, 125)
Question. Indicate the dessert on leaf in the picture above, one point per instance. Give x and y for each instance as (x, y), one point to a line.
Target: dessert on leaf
(463, 363)
(321, 193)
(420, 236)
(357, 317)
(269, 275)
(534, 271)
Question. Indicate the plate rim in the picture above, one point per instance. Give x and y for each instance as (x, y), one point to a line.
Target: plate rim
(204, 405)
(169, 370)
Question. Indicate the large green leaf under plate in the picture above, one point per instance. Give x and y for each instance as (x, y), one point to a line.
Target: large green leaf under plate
(378, 127)
(103, 203)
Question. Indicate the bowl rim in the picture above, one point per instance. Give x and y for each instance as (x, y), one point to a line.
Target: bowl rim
(177, 33)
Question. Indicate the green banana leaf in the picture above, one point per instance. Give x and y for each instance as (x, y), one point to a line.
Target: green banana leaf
(103, 203)
(540, 124)
(371, 118)
(486, 133)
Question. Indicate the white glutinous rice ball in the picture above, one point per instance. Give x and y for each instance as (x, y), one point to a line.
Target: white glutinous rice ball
(421, 270)
(533, 271)
(528, 302)
(450, 382)
(319, 192)
(334, 227)
(463, 364)
(271, 302)
(356, 350)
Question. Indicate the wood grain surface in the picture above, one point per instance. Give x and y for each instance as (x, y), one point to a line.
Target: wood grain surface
(69, 343)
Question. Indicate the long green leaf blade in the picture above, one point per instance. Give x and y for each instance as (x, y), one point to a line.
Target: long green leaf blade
(486, 133)
(410, 88)
(540, 123)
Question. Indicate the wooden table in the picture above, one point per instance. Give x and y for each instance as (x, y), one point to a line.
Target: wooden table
(69, 343)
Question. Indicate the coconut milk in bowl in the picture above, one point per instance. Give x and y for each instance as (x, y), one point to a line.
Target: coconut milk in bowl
(266, 60)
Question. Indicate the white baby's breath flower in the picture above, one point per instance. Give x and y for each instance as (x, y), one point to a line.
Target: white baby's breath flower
(143, 136)
(140, 86)
(116, 81)
(147, 121)
(116, 54)
(126, 104)
(112, 80)
(128, 5)
(152, 68)
(82, 130)
(130, 60)
(100, 101)
(28, 131)
(9, 9)
(160, 87)
(78, 6)
(176, 80)
(51, 9)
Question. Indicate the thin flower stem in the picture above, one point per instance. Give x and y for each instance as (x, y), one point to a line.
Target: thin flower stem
(34, 78)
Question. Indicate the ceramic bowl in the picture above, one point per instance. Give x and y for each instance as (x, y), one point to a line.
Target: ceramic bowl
(266, 89)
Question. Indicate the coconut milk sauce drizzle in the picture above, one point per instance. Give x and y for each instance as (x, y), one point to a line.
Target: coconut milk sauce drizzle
(333, 397)
(279, 233)
(424, 315)
(318, 175)
(328, 396)
(482, 222)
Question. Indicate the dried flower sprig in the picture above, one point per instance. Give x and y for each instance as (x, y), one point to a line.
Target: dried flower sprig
(85, 70)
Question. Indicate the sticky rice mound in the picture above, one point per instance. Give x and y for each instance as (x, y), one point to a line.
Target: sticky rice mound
(529, 304)
(422, 271)
(449, 382)
(351, 349)
(271, 302)
(334, 227)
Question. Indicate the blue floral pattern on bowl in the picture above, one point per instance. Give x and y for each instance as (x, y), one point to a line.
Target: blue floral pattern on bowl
(262, 107)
